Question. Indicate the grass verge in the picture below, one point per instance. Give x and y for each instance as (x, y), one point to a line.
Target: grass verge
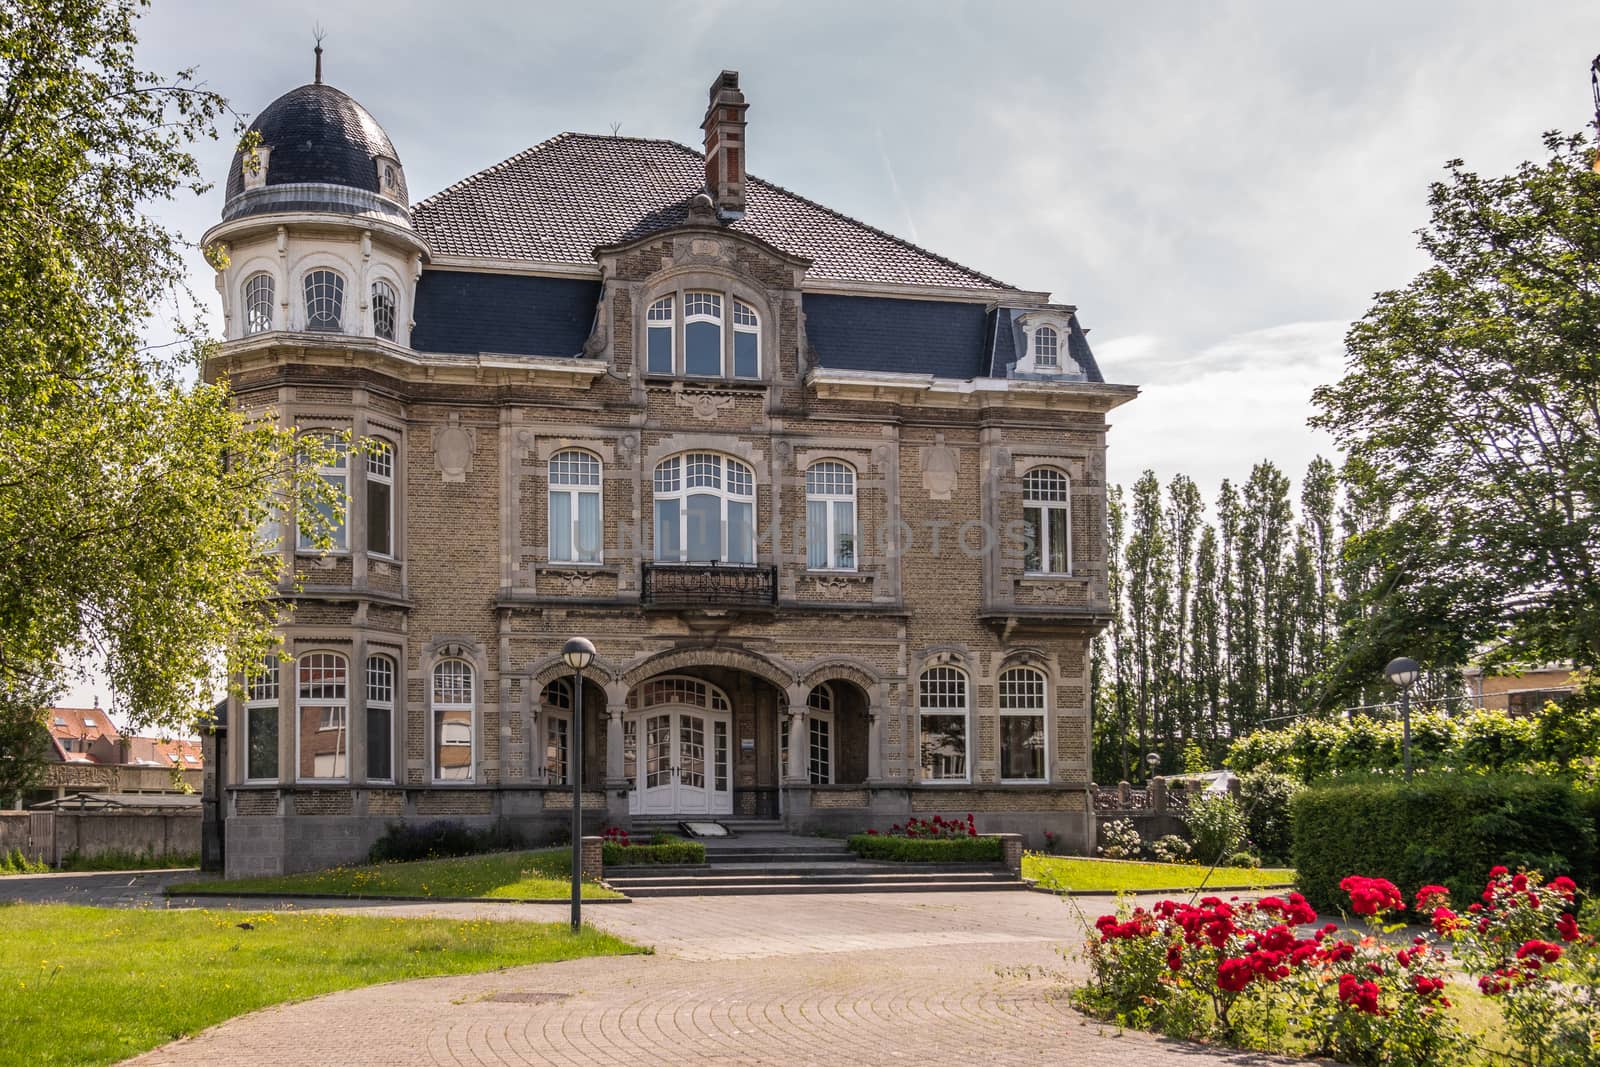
(126, 860)
(539, 875)
(1076, 874)
(130, 980)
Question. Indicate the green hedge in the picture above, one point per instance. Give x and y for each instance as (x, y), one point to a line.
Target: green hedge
(1445, 830)
(926, 849)
(616, 855)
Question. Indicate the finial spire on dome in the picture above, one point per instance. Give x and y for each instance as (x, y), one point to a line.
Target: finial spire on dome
(319, 33)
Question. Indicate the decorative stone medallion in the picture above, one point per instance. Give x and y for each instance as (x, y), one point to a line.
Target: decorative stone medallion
(940, 469)
(453, 446)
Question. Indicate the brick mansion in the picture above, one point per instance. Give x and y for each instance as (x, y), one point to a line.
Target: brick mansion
(830, 506)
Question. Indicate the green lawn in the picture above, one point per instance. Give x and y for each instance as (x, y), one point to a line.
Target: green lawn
(96, 985)
(537, 875)
(1081, 875)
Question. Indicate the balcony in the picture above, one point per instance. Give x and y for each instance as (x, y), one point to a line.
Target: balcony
(709, 585)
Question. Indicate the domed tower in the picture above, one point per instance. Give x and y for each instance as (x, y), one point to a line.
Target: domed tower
(316, 230)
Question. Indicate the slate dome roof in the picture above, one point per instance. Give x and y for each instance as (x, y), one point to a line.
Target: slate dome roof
(319, 134)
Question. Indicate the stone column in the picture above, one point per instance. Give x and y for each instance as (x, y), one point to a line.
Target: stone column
(875, 743)
(355, 737)
(617, 784)
(796, 772)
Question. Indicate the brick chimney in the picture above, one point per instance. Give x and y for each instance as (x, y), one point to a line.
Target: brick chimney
(724, 130)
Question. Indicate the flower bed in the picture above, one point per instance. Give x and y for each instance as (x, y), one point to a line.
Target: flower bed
(933, 840)
(1264, 974)
(619, 850)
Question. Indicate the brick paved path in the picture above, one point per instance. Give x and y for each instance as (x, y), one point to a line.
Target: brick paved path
(838, 980)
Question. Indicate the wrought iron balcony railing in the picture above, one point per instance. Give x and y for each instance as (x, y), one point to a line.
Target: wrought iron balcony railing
(719, 585)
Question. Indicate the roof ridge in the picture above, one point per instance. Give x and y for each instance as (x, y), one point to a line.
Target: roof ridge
(564, 135)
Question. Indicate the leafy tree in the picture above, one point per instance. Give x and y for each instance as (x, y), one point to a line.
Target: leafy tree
(129, 497)
(24, 740)
(1471, 399)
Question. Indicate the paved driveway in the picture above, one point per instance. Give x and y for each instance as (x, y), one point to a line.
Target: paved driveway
(849, 979)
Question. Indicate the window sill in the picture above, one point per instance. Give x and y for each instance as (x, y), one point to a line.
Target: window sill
(596, 566)
(1048, 576)
(1025, 783)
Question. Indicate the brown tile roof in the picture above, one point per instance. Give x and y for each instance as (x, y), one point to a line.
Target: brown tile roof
(81, 724)
(558, 201)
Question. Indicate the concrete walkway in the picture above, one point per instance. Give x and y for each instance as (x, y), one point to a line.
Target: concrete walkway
(865, 979)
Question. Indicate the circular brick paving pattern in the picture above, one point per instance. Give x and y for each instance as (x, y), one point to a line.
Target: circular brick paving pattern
(869, 979)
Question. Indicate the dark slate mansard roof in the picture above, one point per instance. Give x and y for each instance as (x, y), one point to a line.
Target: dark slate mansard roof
(560, 200)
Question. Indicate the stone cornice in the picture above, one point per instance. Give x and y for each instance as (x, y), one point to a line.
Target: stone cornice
(344, 351)
(925, 390)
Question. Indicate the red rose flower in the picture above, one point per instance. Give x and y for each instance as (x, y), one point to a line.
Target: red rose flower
(1567, 927)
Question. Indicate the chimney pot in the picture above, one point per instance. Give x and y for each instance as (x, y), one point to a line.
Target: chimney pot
(724, 125)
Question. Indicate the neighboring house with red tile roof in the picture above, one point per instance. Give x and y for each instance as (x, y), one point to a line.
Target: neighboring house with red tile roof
(92, 755)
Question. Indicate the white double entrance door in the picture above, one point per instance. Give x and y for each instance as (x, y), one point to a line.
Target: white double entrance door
(681, 761)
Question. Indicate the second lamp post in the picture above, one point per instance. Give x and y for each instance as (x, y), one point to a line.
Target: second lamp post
(578, 653)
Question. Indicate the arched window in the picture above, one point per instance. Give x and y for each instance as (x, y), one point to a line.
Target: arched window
(322, 717)
(574, 507)
(380, 719)
(453, 734)
(702, 334)
(334, 469)
(261, 721)
(830, 516)
(385, 301)
(1022, 725)
(819, 761)
(659, 329)
(1047, 518)
(258, 292)
(380, 498)
(942, 718)
(746, 341)
(557, 730)
(705, 509)
(324, 300)
(1046, 347)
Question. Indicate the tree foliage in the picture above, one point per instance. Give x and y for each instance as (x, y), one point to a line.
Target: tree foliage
(1471, 405)
(129, 496)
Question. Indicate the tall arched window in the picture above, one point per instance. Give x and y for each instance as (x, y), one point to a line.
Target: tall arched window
(705, 509)
(380, 497)
(453, 735)
(702, 334)
(574, 507)
(830, 516)
(1047, 517)
(380, 719)
(819, 731)
(942, 714)
(385, 303)
(324, 300)
(322, 718)
(1022, 725)
(261, 722)
(659, 328)
(259, 289)
(557, 730)
(1046, 347)
(334, 469)
(746, 341)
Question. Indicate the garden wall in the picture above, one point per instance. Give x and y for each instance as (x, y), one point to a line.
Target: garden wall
(49, 836)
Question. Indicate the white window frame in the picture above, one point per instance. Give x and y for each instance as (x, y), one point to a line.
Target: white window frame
(1046, 355)
(557, 711)
(338, 473)
(1058, 497)
(339, 664)
(261, 692)
(380, 471)
(469, 705)
(662, 310)
(1009, 691)
(820, 710)
(704, 305)
(249, 295)
(671, 481)
(823, 479)
(384, 293)
(572, 479)
(310, 294)
(745, 319)
(934, 704)
(380, 696)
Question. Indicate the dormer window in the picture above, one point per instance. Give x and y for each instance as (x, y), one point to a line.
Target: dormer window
(384, 301)
(1046, 347)
(659, 330)
(709, 350)
(746, 341)
(391, 179)
(254, 167)
(702, 335)
(324, 300)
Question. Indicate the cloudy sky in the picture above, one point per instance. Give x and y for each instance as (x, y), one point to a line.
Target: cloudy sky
(1219, 188)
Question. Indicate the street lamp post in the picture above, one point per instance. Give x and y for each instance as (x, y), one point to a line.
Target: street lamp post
(1404, 672)
(578, 653)
(1152, 760)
